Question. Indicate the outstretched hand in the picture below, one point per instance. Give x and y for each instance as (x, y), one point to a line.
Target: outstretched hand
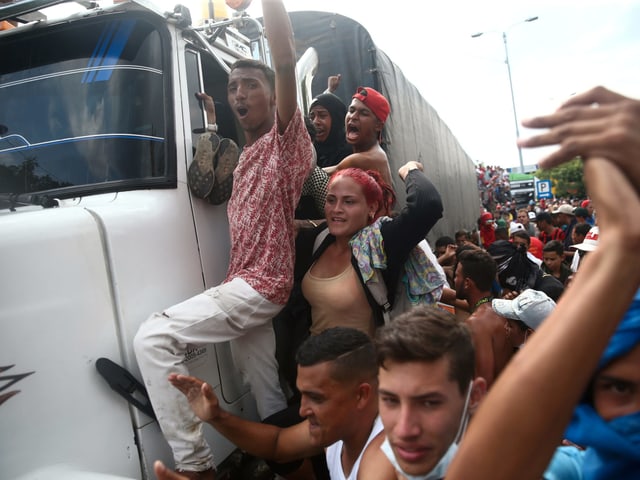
(597, 123)
(202, 399)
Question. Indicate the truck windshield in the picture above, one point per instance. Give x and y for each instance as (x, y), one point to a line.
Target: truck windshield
(83, 107)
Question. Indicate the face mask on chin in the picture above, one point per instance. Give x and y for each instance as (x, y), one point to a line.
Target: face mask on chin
(440, 470)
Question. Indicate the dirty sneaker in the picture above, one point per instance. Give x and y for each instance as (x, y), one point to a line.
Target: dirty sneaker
(226, 161)
(200, 175)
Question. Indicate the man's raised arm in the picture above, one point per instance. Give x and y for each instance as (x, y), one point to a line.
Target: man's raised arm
(283, 55)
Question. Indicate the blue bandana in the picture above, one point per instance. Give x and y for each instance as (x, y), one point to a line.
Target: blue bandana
(613, 447)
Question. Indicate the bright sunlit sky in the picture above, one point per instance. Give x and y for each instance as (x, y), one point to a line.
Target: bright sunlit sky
(574, 45)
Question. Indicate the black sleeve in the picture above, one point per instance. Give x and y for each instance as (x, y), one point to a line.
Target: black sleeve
(422, 211)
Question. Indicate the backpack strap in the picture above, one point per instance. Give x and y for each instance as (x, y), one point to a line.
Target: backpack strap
(379, 293)
(320, 238)
(375, 291)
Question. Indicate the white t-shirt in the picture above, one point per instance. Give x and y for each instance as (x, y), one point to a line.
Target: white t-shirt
(575, 261)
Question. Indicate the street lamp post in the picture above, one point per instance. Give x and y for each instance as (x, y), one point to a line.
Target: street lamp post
(506, 61)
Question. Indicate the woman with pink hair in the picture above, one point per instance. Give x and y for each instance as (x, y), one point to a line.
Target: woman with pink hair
(361, 244)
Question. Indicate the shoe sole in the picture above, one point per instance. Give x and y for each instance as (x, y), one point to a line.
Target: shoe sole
(200, 175)
(226, 161)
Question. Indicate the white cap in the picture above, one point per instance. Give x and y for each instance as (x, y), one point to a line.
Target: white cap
(590, 241)
(530, 307)
(516, 227)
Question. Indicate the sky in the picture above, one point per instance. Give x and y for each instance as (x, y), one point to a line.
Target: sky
(572, 46)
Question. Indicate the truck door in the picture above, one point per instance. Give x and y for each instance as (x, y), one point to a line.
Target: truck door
(205, 74)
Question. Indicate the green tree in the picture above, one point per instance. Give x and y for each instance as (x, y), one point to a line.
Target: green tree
(566, 179)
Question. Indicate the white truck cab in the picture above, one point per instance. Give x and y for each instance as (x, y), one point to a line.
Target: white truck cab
(98, 228)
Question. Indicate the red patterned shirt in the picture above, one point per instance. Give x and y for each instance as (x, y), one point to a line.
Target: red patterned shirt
(267, 184)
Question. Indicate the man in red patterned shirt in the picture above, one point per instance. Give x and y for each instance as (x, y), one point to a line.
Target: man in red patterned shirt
(267, 184)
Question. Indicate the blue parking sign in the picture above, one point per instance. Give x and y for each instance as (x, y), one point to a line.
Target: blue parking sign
(543, 189)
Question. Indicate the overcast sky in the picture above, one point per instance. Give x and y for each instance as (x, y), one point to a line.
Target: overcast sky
(574, 45)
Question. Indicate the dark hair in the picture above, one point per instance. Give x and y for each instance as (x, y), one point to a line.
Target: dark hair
(464, 248)
(351, 352)
(581, 212)
(582, 228)
(545, 217)
(268, 72)
(502, 233)
(479, 266)
(461, 233)
(554, 246)
(550, 285)
(427, 334)
(520, 324)
(522, 234)
(444, 241)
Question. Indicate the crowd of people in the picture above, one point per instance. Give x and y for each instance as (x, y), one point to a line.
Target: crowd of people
(398, 349)
(494, 186)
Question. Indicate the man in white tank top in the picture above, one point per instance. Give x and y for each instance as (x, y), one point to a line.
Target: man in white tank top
(337, 379)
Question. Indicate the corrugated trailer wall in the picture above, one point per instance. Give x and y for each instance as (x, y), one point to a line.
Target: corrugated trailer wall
(413, 130)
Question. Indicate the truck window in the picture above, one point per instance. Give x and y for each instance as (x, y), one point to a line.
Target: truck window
(83, 108)
(206, 73)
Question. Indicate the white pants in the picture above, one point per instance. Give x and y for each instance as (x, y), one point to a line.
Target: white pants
(231, 311)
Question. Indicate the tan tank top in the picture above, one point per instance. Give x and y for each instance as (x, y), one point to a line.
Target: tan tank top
(337, 301)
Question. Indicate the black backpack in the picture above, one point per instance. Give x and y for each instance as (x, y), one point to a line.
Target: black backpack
(515, 270)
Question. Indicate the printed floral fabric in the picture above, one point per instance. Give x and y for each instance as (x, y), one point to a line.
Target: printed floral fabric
(267, 184)
(422, 281)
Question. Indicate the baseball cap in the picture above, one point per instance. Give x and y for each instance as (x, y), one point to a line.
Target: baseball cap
(585, 203)
(530, 307)
(516, 227)
(590, 240)
(375, 101)
(564, 208)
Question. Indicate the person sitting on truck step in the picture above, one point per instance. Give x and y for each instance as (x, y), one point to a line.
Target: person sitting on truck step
(267, 183)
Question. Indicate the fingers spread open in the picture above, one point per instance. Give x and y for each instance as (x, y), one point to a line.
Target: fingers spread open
(599, 95)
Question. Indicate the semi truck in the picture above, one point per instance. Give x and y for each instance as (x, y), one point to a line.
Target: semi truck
(98, 226)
